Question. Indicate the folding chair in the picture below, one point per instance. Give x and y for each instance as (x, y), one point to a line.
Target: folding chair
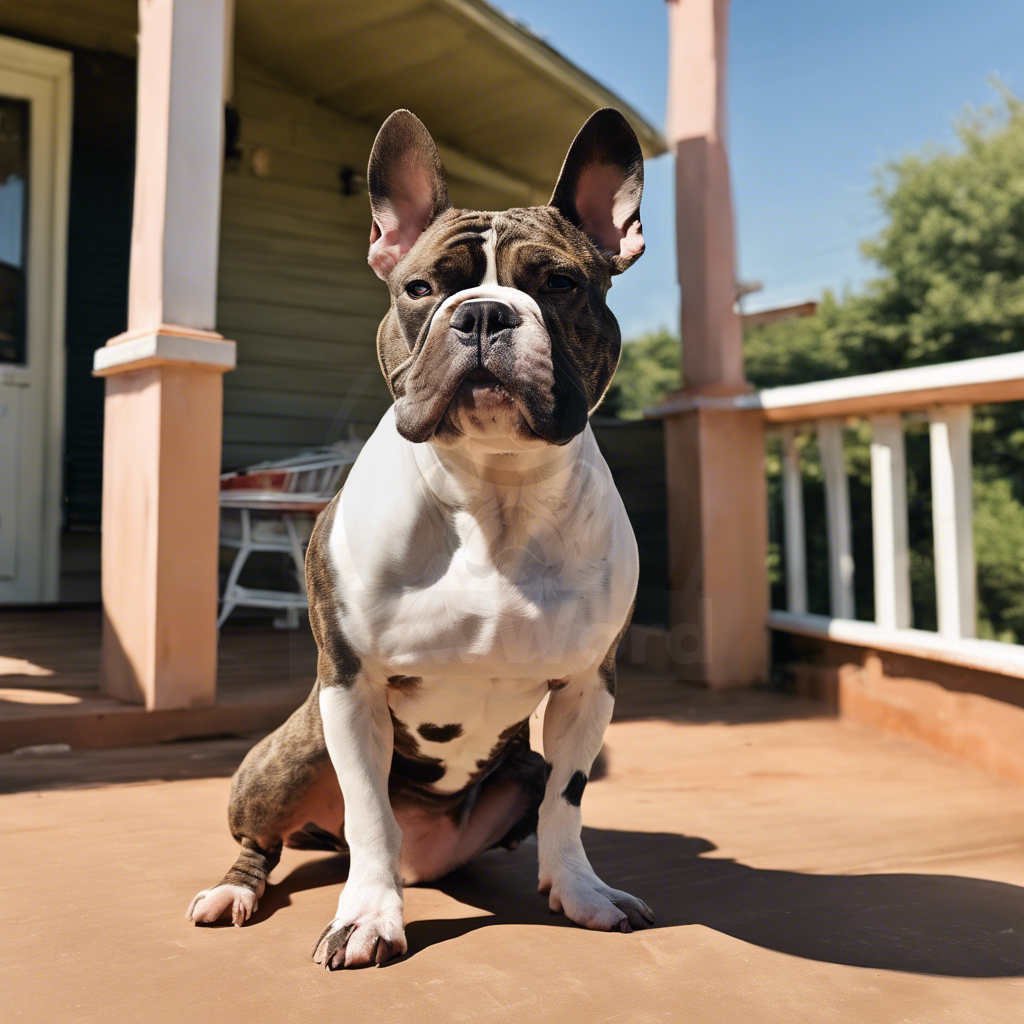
(277, 503)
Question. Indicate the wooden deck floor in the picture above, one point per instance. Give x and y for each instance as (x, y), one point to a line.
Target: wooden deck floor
(802, 870)
(50, 686)
(50, 683)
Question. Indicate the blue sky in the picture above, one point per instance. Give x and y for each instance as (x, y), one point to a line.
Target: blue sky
(821, 94)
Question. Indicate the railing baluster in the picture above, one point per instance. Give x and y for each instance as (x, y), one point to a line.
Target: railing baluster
(953, 520)
(889, 522)
(793, 523)
(837, 508)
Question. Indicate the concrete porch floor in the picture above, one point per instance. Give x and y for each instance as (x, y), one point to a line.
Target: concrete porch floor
(802, 869)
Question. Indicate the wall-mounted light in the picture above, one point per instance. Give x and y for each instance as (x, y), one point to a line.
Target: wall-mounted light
(261, 162)
(351, 181)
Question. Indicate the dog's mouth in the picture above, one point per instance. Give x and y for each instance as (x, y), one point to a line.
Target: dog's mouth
(484, 403)
(481, 380)
(483, 398)
(482, 385)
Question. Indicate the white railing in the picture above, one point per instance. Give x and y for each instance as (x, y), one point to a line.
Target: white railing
(946, 394)
(949, 429)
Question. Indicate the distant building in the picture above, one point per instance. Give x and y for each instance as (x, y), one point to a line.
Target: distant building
(771, 316)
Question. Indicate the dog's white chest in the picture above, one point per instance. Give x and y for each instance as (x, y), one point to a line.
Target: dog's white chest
(460, 724)
(479, 620)
(440, 578)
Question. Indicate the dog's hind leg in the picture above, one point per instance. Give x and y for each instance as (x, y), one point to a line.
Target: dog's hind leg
(504, 813)
(240, 889)
(284, 783)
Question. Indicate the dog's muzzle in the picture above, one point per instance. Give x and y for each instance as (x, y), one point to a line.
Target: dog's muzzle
(484, 323)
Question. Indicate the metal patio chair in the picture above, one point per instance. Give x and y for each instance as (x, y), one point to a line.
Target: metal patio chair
(277, 503)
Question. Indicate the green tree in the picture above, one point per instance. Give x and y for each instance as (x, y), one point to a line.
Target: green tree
(950, 287)
(648, 370)
(952, 262)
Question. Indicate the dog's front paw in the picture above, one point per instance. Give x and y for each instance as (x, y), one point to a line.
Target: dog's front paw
(212, 904)
(366, 930)
(587, 901)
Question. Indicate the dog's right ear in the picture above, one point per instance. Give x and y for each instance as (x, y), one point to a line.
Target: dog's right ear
(600, 187)
(407, 189)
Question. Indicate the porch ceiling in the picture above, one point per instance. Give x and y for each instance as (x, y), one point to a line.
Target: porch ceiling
(483, 84)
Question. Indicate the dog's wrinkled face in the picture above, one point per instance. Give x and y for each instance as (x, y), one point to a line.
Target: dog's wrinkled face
(498, 327)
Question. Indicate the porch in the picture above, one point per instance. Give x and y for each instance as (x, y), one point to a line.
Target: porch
(274, 258)
(801, 869)
(51, 685)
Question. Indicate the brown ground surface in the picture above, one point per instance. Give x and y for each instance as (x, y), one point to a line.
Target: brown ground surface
(801, 870)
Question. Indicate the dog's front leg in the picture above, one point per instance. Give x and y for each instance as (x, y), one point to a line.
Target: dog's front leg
(575, 721)
(368, 927)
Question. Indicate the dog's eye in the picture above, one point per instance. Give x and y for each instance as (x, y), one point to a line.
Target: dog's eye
(417, 289)
(559, 283)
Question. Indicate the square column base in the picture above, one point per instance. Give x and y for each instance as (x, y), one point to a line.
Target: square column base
(718, 547)
(161, 467)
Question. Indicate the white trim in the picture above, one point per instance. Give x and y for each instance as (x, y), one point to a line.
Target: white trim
(965, 373)
(33, 59)
(837, 511)
(228, 84)
(53, 67)
(986, 370)
(978, 655)
(889, 525)
(54, 486)
(158, 349)
(949, 431)
(793, 523)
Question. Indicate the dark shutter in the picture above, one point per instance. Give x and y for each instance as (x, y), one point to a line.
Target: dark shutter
(99, 242)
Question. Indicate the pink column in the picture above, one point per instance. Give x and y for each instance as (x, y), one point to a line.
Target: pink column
(712, 336)
(163, 414)
(715, 455)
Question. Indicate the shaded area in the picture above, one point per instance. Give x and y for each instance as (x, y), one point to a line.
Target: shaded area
(635, 453)
(643, 695)
(50, 684)
(193, 759)
(50, 690)
(921, 923)
(640, 696)
(59, 648)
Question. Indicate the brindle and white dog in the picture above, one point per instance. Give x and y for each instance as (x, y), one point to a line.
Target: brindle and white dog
(477, 559)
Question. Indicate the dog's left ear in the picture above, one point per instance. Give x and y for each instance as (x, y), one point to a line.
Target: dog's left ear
(600, 186)
(407, 189)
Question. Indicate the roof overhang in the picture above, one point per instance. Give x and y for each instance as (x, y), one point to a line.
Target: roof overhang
(496, 97)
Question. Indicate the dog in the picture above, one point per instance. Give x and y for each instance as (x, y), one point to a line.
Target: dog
(477, 559)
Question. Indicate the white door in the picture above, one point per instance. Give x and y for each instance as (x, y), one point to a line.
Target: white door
(35, 84)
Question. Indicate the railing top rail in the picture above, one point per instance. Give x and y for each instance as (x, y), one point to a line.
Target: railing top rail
(970, 653)
(967, 382)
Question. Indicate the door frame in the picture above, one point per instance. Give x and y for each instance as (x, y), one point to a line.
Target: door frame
(54, 67)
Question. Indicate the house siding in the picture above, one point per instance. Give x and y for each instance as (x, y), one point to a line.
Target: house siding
(295, 291)
(294, 288)
(106, 26)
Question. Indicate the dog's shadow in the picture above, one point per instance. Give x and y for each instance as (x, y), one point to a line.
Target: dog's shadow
(923, 923)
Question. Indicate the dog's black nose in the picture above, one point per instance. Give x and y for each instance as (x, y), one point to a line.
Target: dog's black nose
(479, 320)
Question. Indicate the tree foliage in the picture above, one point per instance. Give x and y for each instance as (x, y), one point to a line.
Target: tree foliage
(950, 287)
(648, 370)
